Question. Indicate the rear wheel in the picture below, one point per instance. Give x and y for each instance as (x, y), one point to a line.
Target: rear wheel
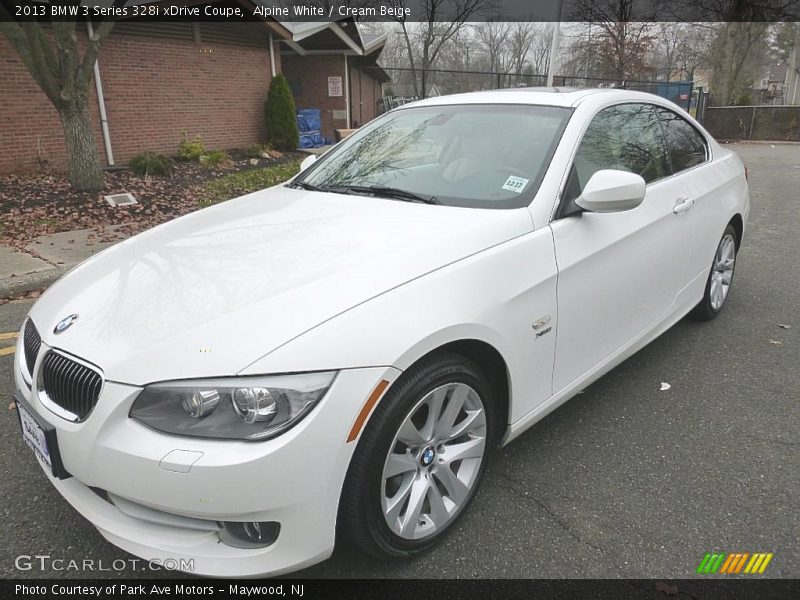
(720, 278)
(420, 458)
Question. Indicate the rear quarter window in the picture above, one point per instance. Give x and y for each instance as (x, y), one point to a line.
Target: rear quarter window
(686, 146)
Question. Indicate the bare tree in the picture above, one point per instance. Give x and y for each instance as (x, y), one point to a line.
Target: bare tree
(540, 47)
(493, 37)
(55, 63)
(519, 44)
(618, 46)
(669, 42)
(458, 53)
(681, 47)
(735, 55)
(694, 50)
(456, 58)
(739, 38)
(442, 20)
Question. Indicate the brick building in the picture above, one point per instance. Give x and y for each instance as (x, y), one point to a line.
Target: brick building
(163, 81)
(333, 67)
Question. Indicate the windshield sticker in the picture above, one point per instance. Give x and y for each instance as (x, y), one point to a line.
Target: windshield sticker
(515, 184)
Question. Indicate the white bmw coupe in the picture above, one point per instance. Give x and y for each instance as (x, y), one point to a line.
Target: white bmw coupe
(339, 355)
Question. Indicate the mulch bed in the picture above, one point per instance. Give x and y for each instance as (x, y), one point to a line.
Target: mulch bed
(35, 204)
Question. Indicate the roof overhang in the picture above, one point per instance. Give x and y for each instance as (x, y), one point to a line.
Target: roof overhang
(342, 36)
(376, 44)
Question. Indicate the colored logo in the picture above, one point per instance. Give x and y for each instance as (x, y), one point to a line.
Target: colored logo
(427, 456)
(734, 563)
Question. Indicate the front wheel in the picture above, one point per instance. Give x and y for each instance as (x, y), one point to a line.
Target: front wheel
(720, 278)
(420, 459)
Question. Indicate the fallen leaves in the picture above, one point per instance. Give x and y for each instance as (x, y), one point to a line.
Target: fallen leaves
(35, 204)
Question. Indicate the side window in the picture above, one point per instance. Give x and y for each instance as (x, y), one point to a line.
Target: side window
(686, 147)
(626, 137)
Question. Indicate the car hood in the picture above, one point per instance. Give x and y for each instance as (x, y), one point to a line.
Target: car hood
(209, 293)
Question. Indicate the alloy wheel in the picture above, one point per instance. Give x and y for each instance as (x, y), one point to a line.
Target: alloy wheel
(722, 271)
(434, 461)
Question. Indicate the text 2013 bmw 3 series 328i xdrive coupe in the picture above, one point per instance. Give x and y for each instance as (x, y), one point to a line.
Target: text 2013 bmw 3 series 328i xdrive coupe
(337, 357)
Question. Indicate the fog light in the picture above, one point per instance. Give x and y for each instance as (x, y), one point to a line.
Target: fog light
(249, 534)
(201, 403)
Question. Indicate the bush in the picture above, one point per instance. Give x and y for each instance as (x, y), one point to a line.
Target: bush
(255, 151)
(280, 116)
(216, 159)
(191, 149)
(150, 163)
(274, 152)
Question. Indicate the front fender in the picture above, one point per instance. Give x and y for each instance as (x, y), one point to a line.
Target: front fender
(494, 296)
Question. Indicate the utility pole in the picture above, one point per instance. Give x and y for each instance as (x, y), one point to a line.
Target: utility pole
(554, 46)
(588, 53)
(589, 43)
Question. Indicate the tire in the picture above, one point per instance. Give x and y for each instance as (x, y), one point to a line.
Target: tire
(373, 497)
(720, 278)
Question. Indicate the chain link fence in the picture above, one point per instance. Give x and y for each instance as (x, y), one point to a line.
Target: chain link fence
(744, 123)
(406, 85)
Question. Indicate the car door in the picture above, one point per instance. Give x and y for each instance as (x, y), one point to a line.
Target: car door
(694, 180)
(618, 272)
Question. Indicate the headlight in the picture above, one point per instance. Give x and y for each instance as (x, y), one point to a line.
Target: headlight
(239, 408)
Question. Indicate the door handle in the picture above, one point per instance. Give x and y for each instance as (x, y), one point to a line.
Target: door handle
(682, 205)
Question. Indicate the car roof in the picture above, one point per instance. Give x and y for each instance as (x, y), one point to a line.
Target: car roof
(546, 96)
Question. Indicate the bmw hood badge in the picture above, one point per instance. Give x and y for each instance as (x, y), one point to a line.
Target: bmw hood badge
(65, 324)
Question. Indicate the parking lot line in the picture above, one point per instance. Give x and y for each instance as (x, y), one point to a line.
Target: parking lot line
(4, 351)
(9, 336)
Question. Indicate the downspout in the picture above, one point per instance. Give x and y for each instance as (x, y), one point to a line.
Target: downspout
(347, 89)
(101, 103)
(272, 54)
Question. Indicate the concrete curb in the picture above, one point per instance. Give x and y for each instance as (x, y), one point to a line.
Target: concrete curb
(46, 259)
(13, 286)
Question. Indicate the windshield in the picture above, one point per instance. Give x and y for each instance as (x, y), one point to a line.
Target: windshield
(484, 156)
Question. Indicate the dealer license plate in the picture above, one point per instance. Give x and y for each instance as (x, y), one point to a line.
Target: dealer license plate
(34, 436)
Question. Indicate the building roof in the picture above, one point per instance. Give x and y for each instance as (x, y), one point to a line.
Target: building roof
(343, 34)
(368, 38)
(777, 72)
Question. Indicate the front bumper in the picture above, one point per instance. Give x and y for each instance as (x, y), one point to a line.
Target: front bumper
(150, 508)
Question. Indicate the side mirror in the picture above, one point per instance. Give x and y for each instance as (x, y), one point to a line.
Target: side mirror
(610, 191)
(307, 162)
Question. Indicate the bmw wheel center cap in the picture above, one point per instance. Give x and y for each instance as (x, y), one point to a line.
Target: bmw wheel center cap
(426, 458)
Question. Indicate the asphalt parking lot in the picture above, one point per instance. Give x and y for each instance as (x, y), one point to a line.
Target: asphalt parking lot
(625, 480)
